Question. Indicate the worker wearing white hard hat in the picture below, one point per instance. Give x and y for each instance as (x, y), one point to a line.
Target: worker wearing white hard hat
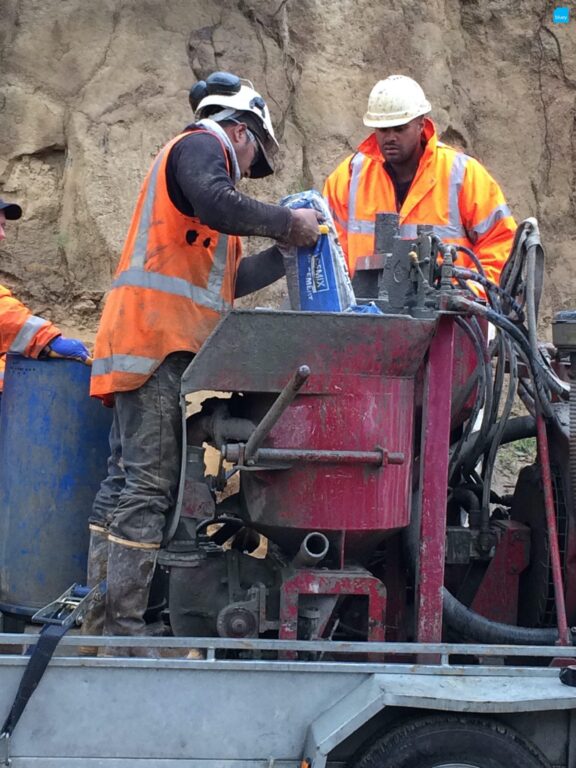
(395, 101)
(245, 105)
(179, 272)
(403, 168)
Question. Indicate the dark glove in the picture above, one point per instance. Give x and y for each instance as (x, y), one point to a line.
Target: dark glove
(71, 348)
(304, 230)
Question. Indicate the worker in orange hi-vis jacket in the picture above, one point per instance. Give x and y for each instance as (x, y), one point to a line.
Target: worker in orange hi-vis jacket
(403, 168)
(179, 272)
(21, 331)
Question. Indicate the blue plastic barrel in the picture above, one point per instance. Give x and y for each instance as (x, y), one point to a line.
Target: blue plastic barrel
(53, 452)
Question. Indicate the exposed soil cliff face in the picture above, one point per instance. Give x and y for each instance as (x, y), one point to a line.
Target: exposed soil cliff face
(90, 91)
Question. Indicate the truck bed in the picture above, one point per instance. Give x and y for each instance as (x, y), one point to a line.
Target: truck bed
(253, 711)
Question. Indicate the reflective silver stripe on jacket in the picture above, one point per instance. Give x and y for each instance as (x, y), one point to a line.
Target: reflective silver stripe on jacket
(500, 212)
(138, 276)
(125, 364)
(26, 334)
(138, 258)
(338, 220)
(217, 272)
(356, 225)
(177, 286)
(452, 230)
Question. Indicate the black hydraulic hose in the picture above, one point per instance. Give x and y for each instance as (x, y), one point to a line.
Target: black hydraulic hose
(468, 499)
(461, 275)
(466, 276)
(469, 274)
(512, 269)
(472, 329)
(531, 299)
(531, 247)
(518, 429)
(470, 624)
(484, 357)
(500, 321)
(515, 429)
(475, 259)
(533, 244)
(496, 426)
(499, 374)
(475, 627)
(488, 464)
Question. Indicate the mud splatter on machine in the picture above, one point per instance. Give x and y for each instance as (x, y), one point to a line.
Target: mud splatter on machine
(365, 447)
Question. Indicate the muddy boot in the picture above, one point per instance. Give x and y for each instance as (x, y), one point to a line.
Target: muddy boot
(130, 572)
(93, 622)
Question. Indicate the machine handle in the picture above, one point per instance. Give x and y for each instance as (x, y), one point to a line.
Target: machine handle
(277, 409)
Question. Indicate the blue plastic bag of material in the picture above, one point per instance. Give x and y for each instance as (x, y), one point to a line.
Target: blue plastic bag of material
(317, 277)
(365, 309)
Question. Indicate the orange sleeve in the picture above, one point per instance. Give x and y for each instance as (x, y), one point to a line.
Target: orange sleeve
(20, 330)
(487, 219)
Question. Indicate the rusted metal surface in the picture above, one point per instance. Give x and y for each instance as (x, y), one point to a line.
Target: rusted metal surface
(543, 454)
(258, 350)
(324, 582)
(497, 596)
(433, 483)
(348, 433)
(564, 501)
(267, 455)
(358, 498)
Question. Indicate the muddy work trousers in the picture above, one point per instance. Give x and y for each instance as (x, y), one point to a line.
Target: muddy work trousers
(144, 465)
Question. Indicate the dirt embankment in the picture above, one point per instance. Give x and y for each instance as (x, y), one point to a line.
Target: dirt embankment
(90, 91)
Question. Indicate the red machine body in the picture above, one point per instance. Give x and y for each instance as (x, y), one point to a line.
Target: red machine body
(338, 461)
(353, 436)
(359, 400)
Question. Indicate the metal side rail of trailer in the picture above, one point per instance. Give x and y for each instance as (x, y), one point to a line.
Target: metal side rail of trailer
(270, 703)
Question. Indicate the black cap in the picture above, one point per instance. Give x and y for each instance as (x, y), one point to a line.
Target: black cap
(10, 210)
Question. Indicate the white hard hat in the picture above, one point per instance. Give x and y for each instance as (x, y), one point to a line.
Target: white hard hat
(395, 101)
(249, 102)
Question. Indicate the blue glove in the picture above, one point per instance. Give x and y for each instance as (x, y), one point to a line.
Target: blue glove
(63, 347)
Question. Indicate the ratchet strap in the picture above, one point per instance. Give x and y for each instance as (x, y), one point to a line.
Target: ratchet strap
(48, 638)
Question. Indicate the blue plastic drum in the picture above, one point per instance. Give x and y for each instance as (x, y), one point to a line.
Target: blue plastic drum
(53, 452)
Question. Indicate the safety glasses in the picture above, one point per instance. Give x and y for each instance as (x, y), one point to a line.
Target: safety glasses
(258, 153)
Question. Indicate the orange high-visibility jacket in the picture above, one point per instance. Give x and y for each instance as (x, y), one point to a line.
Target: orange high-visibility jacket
(175, 279)
(451, 191)
(20, 330)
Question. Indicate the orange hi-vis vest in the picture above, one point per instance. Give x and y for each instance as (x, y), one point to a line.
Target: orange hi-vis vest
(450, 191)
(175, 279)
(21, 331)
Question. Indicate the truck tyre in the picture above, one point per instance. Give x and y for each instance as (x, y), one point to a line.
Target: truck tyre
(451, 742)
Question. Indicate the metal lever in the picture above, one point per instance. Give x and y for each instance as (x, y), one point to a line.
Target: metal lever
(277, 409)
